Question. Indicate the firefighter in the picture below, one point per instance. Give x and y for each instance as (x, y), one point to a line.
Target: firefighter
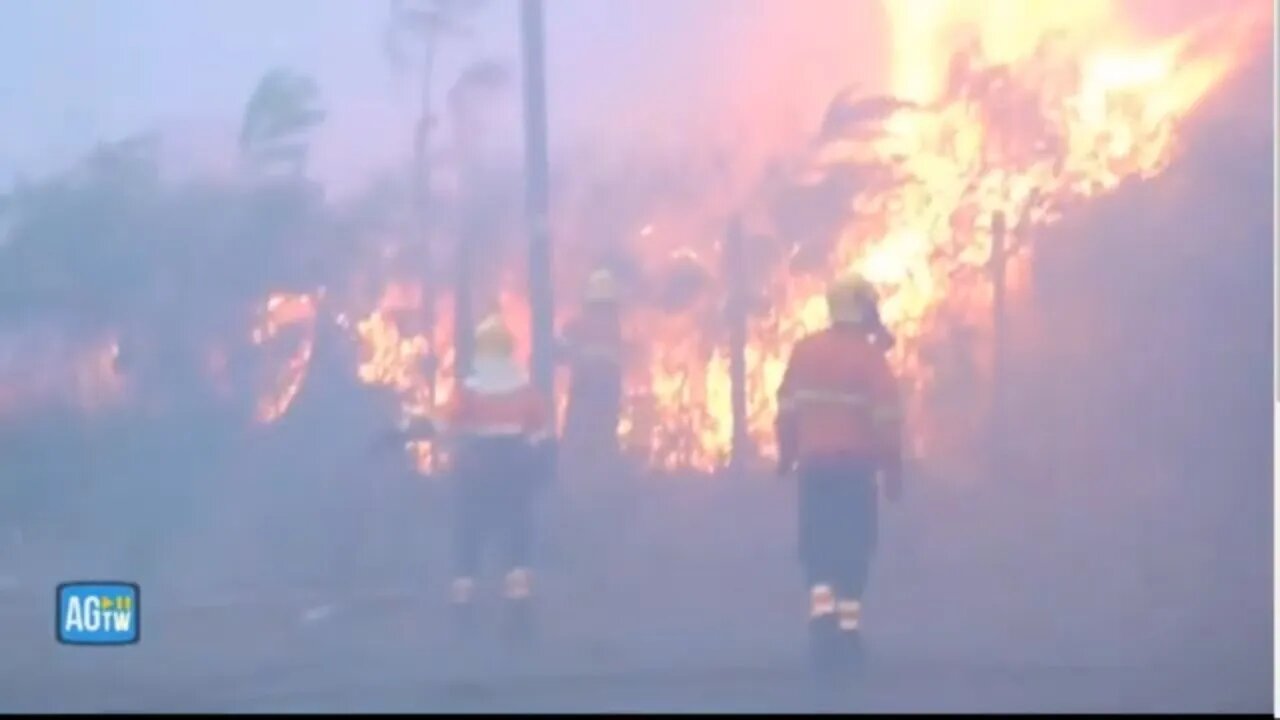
(593, 348)
(498, 426)
(838, 430)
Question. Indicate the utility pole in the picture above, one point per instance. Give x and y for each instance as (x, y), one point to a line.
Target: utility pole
(468, 233)
(541, 298)
(422, 223)
(464, 291)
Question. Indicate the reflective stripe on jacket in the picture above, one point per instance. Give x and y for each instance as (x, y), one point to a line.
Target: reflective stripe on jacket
(839, 398)
(498, 403)
(594, 339)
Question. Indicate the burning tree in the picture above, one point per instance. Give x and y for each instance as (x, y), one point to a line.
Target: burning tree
(157, 271)
(427, 23)
(902, 186)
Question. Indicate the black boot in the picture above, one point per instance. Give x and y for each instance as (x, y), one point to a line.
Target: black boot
(852, 653)
(824, 647)
(849, 613)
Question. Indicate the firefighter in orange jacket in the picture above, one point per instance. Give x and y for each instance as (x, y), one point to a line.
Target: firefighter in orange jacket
(593, 347)
(498, 426)
(838, 429)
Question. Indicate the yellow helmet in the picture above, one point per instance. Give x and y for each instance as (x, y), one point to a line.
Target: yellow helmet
(850, 298)
(493, 338)
(601, 287)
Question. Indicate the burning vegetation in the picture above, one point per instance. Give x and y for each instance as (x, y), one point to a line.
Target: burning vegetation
(285, 317)
(999, 113)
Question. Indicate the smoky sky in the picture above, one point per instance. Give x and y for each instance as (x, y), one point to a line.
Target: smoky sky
(620, 73)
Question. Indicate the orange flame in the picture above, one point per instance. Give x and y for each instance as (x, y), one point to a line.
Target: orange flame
(1008, 106)
(1015, 108)
(281, 312)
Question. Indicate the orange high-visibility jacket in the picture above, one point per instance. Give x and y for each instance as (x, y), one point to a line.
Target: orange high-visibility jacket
(499, 410)
(594, 339)
(839, 399)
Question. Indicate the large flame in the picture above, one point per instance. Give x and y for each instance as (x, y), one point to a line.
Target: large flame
(1009, 107)
(395, 358)
(396, 351)
(285, 317)
(997, 108)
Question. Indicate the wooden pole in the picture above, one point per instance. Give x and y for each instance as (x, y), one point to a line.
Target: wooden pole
(464, 294)
(469, 230)
(541, 298)
(422, 218)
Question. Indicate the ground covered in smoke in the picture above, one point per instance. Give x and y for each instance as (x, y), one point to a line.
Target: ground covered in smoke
(667, 594)
(1122, 563)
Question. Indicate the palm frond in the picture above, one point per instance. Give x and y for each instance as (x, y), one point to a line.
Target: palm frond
(284, 106)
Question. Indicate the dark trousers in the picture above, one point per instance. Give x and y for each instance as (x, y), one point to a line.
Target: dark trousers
(838, 524)
(496, 482)
(591, 418)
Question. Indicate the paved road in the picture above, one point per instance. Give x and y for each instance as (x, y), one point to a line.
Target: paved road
(273, 660)
(664, 604)
(388, 654)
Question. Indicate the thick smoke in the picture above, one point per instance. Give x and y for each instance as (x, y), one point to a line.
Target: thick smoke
(1108, 549)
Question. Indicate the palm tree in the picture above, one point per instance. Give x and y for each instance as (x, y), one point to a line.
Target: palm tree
(465, 104)
(283, 110)
(426, 23)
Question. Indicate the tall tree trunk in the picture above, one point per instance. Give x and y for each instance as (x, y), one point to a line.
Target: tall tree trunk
(541, 298)
(422, 218)
(464, 291)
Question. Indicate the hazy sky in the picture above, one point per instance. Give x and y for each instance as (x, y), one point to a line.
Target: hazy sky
(76, 71)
